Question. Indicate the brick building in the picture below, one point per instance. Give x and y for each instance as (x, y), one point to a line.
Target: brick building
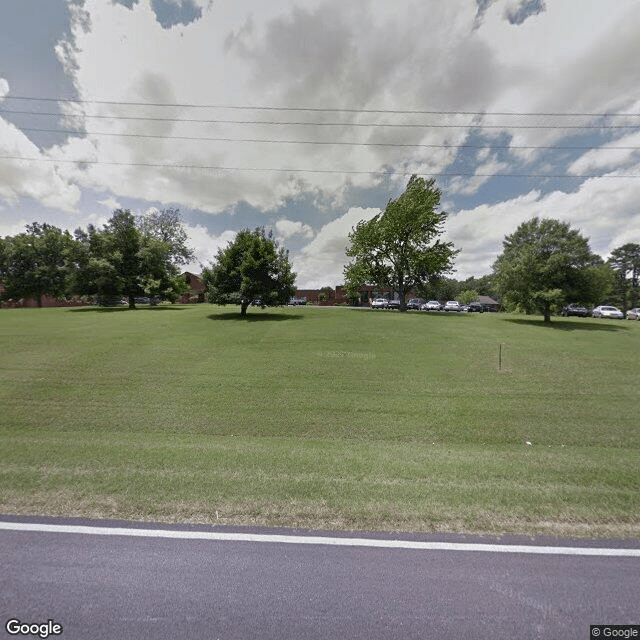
(197, 290)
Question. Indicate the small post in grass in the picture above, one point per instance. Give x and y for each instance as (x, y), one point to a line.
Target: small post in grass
(500, 357)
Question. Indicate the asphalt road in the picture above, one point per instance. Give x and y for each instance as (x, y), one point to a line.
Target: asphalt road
(130, 586)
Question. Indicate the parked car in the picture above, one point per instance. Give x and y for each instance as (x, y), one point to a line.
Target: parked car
(432, 305)
(415, 303)
(606, 311)
(393, 304)
(379, 303)
(633, 314)
(475, 307)
(452, 305)
(297, 302)
(574, 310)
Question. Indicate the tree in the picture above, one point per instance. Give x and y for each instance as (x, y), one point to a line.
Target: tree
(36, 262)
(253, 267)
(467, 295)
(122, 261)
(166, 226)
(625, 260)
(399, 247)
(545, 263)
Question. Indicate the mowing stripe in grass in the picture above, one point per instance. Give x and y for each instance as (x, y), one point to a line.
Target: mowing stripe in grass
(318, 540)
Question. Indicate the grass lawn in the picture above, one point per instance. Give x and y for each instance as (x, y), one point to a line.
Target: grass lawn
(328, 418)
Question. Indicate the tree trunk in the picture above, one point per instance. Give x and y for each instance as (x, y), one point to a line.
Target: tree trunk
(547, 313)
(243, 308)
(39, 301)
(132, 302)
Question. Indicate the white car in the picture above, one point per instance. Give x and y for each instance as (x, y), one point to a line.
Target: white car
(633, 314)
(605, 311)
(452, 305)
(379, 303)
(432, 305)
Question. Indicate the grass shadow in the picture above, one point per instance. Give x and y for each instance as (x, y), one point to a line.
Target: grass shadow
(255, 317)
(98, 309)
(569, 325)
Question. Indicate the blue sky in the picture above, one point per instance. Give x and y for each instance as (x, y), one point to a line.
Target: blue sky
(306, 116)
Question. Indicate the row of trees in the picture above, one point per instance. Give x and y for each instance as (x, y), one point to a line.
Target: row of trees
(127, 258)
(544, 263)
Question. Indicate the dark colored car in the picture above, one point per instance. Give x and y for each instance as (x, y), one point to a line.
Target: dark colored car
(574, 310)
(475, 307)
(415, 303)
(393, 304)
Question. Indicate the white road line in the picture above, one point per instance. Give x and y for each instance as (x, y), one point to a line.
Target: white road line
(318, 540)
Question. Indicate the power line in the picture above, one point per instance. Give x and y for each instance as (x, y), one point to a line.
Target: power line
(329, 124)
(319, 109)
(325, 142)
(321, 171)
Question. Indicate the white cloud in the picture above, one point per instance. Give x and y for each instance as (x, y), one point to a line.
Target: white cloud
(111, 203)
(205, 245)
(14, 228)
(34, 178)
(614, 154)
(482, 174)
(313, 53)
(321, 262)
(287, 228)
(596, 209)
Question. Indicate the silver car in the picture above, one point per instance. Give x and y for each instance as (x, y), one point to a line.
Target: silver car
(633, 314)
(432, 305)
(379, 303)
(452, 305)
(606, 311)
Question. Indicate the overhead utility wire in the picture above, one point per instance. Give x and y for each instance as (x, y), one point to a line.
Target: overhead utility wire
(324, 171)
(324, 142)
(332, 124)
(316, 109)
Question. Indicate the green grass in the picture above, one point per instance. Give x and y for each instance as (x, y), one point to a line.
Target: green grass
(322, 417)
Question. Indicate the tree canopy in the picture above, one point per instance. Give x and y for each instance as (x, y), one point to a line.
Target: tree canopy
(252, 268)
(36, 262)
(625, 261)
(166, 226)
(120, 260)
(545, 263)
(400, 248)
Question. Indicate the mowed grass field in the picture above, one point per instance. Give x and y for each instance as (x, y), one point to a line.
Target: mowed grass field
(328, 418)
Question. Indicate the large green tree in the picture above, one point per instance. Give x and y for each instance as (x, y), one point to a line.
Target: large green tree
(120, 260)
(36, 262)
(545, 263)
(400, 247)
(625, 260)
(167, 226)
(251, 268)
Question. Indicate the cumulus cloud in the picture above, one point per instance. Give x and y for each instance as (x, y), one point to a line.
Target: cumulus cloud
(287, 228)
(314, 53)
(36, 177)
(110, 203)
(616, 154)
(483, 173)
(320, 263)
(205, 245)
(596, 209)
